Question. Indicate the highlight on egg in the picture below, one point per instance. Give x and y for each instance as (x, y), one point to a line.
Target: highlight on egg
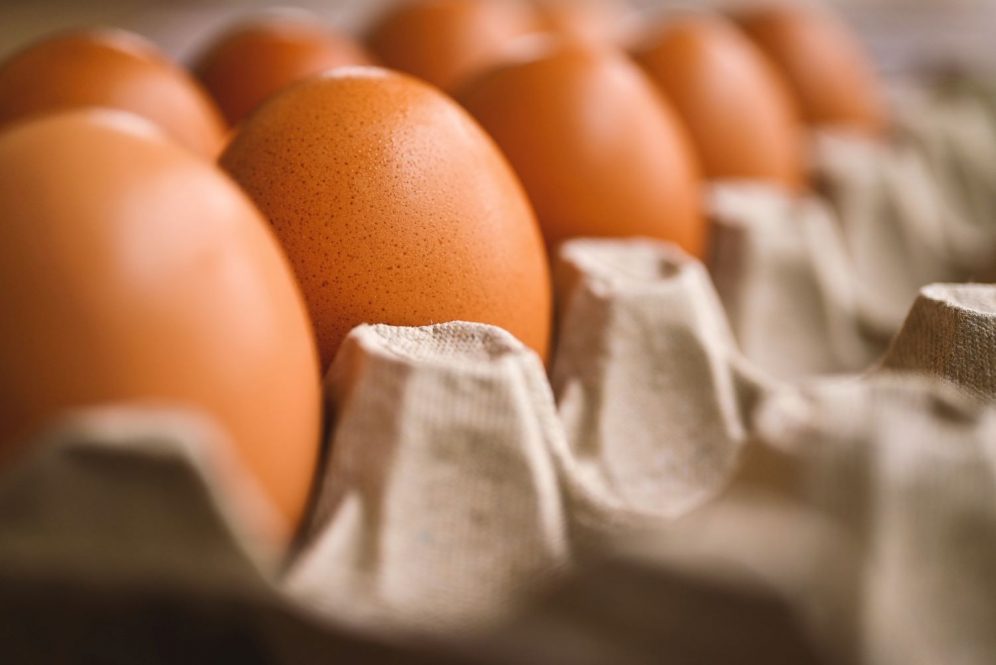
(135, 272)
(258, 57)
(824, 65)
(599, 150)
(114, 69)
(394, 207)
(738, 111)
(597, 21)
(446, 41)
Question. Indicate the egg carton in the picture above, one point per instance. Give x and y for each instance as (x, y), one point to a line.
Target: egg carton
(684, 481)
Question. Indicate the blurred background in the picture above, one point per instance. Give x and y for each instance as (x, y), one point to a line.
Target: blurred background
(903, 35)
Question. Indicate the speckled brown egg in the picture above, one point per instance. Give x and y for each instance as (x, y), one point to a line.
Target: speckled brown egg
(133, 271)
(823, 64)
(394, 207)
(445, 41)
(255, 59)
(737, 110)
(599, 150)
(115, 69)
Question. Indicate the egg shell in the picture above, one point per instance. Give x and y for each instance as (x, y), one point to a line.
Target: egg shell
(823, 63)
(394, 207)
(253, 60)
(114, 69)
(737, 110)
(597, 21)
(598, 149)
(135, 271)
(445, 41)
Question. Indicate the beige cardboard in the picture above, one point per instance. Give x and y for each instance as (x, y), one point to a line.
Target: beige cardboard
(951, 333)
(773, 254)
(648, 382)
(862, 552)
(921, 209)
(908, 468)
(180, 480)
(883, 550)
(954, 133)
(440, 501)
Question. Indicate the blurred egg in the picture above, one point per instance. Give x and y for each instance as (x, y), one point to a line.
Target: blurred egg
(599, 21)
(598, 149)
(134, 271)
(444, 41)
(824, 65)
(737, 110)
(394, 207)
(252, 61)
(115, 69)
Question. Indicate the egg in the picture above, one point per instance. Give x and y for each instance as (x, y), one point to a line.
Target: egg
(394, 207)
(445, 41)
(110, 68)
(599, 21)
(598, 149)
(133, 271)
(824, 65)
(736, 108)
(253, 60)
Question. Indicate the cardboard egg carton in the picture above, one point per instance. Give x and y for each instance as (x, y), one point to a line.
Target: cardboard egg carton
(686, 480)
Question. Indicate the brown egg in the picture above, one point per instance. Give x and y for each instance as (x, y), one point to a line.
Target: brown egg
(736, 108)
(445, 41)
(115, 69)
(252, 61)
(134, 271)
(823, 64)
(598, 149)
(598, 21)
(394, 207)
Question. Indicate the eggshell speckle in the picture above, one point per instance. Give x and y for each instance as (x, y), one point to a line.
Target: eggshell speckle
(134, 271)
(598, 149)
(394, 207)
(114, 69)
(252, 61)
(445, 41)
(740, 115)
(824, 65)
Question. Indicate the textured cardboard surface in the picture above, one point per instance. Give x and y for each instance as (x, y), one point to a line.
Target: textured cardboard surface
(951, 333)
(440, 500)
